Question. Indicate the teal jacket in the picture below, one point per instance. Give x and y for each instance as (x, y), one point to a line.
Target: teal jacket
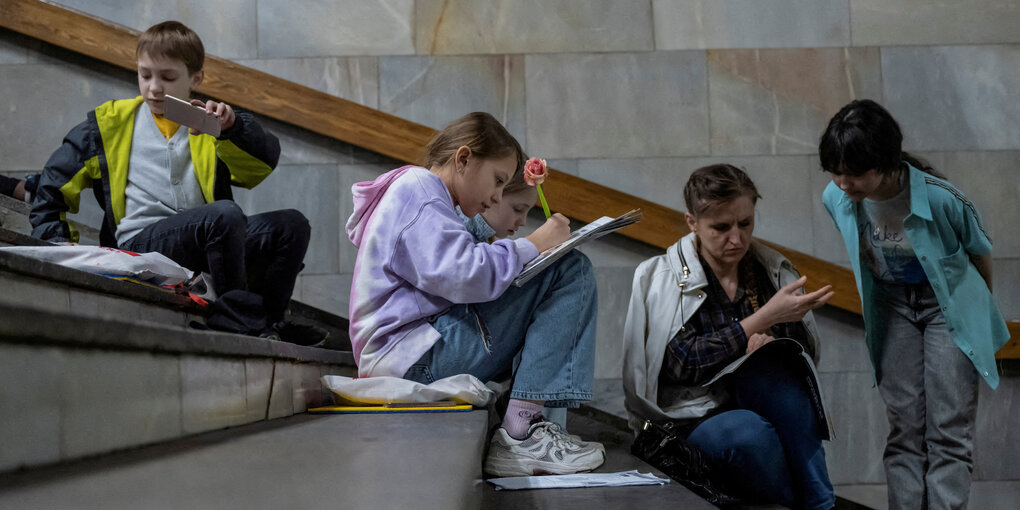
(943, 227)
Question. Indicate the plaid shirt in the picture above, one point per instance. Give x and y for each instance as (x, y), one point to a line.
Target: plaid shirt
(713, 337)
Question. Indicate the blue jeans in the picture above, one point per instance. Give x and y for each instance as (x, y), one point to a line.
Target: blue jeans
(262, 253)
(930, 389)
(770, 447)
(550, 322)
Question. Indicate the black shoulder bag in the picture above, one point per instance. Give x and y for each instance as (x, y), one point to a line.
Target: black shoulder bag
(664, 447)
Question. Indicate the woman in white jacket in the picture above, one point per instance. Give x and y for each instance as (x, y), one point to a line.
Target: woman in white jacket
(715, 295)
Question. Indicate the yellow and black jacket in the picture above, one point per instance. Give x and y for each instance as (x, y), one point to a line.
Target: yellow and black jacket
(96, 154)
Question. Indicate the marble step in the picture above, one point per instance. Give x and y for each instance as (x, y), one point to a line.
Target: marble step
(393, 461)
(73, 386)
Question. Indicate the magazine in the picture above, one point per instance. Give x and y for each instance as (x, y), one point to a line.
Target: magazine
(797, 351)
(594, 230)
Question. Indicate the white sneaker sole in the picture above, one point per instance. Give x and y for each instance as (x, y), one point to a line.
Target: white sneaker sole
(501, 467)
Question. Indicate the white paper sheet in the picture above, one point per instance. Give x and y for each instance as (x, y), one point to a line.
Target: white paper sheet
(621, 479)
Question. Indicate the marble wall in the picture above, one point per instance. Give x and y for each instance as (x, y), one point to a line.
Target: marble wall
(630, 94)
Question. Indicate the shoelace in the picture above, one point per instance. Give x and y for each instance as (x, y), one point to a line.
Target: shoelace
(559, 430)
(559, 437)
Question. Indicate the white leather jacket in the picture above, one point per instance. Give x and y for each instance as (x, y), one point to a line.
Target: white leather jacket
(667, 291)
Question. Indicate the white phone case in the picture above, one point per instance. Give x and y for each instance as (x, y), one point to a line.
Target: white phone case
(187, 114)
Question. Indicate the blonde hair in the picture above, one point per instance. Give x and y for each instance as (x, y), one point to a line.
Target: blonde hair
(172, 39)
(481, 133)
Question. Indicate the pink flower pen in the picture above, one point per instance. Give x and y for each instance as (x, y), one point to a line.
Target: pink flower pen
(535, 172)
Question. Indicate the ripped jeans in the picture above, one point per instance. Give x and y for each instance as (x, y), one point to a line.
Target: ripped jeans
(550, 322)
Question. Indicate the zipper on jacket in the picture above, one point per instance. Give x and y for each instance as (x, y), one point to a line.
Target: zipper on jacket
(681, 282)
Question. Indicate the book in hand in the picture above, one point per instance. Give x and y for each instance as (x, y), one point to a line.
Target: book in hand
(797, 354)
(189, 115)
(594, 230)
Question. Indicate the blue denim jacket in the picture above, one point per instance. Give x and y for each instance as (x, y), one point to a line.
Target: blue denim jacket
(478, 227)
(943, 228)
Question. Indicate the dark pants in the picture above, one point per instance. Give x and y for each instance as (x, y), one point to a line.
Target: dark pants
(262, 253)
(770, 448)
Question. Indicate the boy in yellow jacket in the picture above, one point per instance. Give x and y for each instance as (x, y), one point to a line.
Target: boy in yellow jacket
(165, 188)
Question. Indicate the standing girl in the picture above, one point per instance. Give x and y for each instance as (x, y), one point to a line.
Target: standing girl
(923, 267)
(427, 302)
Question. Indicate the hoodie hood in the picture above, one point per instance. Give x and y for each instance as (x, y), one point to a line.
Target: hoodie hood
(366, 198)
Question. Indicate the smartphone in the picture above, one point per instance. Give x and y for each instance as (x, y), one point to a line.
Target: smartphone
(187, 114)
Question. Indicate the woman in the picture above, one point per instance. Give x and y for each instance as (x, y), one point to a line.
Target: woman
(714, 296)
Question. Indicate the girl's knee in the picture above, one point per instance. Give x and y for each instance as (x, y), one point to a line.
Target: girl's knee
(579, 261)
(578, 268)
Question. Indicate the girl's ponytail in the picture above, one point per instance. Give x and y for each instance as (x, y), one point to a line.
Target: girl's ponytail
(920, 164)
(863, 136)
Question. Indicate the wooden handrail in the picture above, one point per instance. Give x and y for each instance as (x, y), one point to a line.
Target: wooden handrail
(384, 133)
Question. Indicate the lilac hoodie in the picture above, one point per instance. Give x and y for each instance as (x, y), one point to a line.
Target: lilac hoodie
(416, 260)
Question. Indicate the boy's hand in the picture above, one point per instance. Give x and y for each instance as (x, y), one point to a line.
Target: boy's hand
(223, 111)
(554, 231)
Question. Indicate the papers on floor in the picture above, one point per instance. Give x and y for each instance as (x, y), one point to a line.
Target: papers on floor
(621, 479)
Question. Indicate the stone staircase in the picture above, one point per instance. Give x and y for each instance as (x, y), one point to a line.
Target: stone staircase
(110, 400)
(91, 365)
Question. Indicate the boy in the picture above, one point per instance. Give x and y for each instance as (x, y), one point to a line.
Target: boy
(14, 188)
(165, 188)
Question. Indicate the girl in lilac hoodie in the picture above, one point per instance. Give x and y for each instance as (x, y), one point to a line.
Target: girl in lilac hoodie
(427, 302)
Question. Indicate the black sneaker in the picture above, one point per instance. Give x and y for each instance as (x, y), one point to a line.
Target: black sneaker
(300, 334)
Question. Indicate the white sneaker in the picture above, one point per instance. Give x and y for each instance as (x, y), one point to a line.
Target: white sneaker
(545, 450)
(577, 439)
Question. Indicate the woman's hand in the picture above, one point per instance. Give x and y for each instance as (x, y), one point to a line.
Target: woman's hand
(790, 304)
(554, 231)
(757, 340)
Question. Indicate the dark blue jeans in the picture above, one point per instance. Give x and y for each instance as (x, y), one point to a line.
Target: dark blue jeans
(770, 447)
(262, 253)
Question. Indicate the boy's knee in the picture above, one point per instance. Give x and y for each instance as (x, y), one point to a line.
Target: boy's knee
(295, 219)
(294, 223)
(226, 214)
(227, 209)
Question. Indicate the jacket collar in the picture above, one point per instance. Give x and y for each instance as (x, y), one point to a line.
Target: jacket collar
(918, 195)
(919, 205)
(683, 253)
(684, 263)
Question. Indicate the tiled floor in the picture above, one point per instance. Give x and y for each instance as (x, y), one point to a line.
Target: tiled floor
(983, 495)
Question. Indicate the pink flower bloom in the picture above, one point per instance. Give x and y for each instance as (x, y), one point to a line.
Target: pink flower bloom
(535, 171)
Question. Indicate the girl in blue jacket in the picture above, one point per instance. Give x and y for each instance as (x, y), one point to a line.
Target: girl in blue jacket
(922, 262)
